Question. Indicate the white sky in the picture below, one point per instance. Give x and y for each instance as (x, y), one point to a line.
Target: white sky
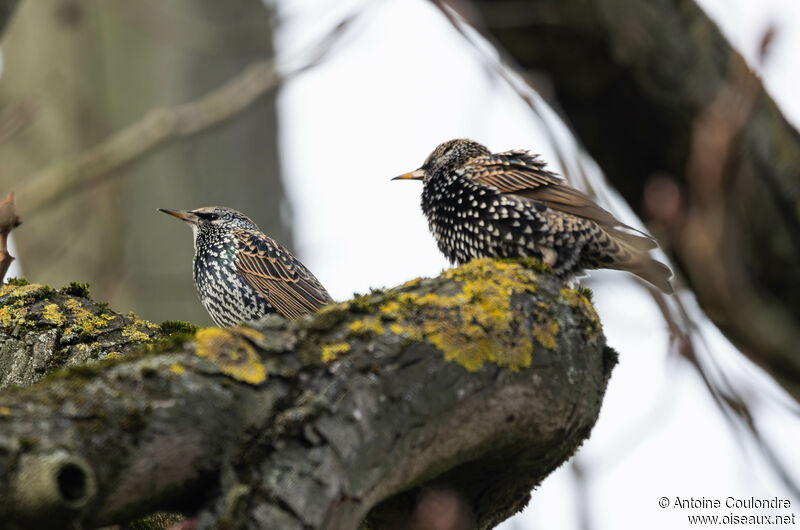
(402, 82)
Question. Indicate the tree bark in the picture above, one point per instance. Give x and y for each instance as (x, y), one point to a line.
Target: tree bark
(689, 136)
(479, 382)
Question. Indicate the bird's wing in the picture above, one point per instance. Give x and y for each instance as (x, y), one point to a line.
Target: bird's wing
(524, 174)
(272, 271)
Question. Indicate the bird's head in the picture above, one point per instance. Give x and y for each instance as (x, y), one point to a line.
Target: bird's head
(211, 218)
(447, 157)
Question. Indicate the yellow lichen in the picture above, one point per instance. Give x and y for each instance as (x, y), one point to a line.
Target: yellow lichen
(113, 355)
(10, 316)
(331, 351)
(365, 327)
(5, 411)
(391, 309)
(482, 328)
(232, 351)
(133, 333)
(52, 313)
(20, 290)
(83, 321)
(579, 301)
(176, 368)
(546, 333)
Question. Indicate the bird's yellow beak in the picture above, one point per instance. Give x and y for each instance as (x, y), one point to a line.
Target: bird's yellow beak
(417, 174)
(183, 215)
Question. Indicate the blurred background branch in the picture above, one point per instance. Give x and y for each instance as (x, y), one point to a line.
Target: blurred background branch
(7, 8)
(157, 127)
(649, 89)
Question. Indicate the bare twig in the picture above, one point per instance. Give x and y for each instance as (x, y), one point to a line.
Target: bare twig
(155, 129)
(159, 126)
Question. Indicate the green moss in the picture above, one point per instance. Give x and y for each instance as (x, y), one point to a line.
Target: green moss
(17, 282)
(85, 370)
(610, 359)
(59, 357)
(168, 327)
(167, 344)
(329, 316)
(585, 291)
(360, 303)
(28, 444)
(76, 289)
(156, 521)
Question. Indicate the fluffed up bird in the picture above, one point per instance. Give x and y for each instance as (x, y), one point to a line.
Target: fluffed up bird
(507, 205)
(241, 274)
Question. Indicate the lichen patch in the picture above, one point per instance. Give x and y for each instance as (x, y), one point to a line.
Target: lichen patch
(83, 321)
(19, 291)
(53, 313)
(474, 325)
(331, 352)
(578, 300)
(232, 351)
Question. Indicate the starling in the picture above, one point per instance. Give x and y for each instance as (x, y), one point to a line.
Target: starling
(507, 205)
(241, 274)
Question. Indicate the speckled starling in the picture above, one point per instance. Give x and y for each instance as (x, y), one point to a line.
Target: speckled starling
(507, 205)
(241, 274)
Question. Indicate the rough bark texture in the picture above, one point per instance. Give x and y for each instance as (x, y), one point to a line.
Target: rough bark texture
(691, 139)
(481, 381)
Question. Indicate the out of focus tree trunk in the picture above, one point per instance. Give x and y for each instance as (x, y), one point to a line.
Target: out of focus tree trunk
(7, 8)
(688, 135)
(79, 70)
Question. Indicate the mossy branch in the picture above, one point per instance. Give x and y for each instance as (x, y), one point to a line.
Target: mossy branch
(480, 382)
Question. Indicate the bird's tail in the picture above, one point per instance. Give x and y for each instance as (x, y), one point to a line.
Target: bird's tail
(634, 257)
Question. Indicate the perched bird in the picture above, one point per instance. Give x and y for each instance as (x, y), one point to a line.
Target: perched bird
(507, 205)
(241, 274)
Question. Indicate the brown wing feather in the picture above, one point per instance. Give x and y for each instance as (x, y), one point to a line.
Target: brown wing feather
(523, 174)
(271, 270)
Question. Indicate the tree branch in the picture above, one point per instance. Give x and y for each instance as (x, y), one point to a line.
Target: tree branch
(480, 382)
(690, 137)
(155, 129)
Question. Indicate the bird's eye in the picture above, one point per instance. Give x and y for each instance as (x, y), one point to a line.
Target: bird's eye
(207, 216)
